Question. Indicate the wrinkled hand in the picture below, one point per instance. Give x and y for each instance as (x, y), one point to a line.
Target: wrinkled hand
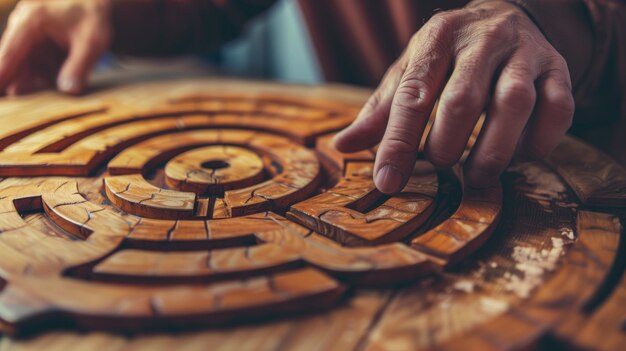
(48, 41)
(486, 57)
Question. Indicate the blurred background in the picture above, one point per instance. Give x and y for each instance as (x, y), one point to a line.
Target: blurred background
(274, 46)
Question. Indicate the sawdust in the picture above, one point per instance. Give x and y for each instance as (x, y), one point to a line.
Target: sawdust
(532, 263)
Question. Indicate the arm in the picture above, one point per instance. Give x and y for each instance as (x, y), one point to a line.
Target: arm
(60, 41)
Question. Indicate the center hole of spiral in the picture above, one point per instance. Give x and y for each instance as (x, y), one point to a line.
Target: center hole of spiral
(215, 164)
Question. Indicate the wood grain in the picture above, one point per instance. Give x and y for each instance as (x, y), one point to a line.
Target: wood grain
(167, 207)
(595, 178)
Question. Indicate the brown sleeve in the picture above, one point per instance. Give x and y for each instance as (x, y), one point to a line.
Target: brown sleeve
(170, 27)
(591, 36)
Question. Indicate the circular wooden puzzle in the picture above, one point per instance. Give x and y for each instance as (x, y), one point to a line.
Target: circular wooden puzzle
(201, 204)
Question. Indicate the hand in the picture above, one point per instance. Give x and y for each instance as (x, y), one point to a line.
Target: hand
(53, 40)
(486, 57)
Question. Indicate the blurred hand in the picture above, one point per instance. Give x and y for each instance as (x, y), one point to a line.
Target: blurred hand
(48, 41)
(486, 57)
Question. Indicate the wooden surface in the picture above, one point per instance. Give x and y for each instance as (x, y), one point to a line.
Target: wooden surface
(216, 214)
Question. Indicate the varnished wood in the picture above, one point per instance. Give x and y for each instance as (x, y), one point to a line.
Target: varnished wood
(593, 176)
(176, 206)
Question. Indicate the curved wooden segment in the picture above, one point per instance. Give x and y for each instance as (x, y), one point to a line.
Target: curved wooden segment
(143, 156)
(77, 143)
(602, 327)
(133, 194)
(303, 107)
(466, 230)
(41, 116)
(339, 212)
(302, 121)
(72, 212)
(210, 233)
(596, 179)
(605, 329)
(195, 266)
(560, 299)
(324, 145)
(28, 303)
(159, 230)
(217, 249)
(212, 170)
(356, 190)
(298, 176)
(81, 154)
(381, 265)
(28, 251)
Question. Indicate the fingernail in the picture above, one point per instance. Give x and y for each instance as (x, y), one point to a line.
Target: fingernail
(389, 179)
(68, 85)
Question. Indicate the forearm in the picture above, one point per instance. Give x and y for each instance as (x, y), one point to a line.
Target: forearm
(170, 27)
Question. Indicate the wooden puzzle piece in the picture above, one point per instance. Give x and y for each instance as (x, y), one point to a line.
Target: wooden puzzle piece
(96, 305)
(343, 215)
(466, 230)
(27, 251)
(324, 145)
(561, 299)
(195, 266)
(133, 194)
(77, 143)
(214, 169)
(198, 189)
(298, 177)
(595, 178)
(45, 115)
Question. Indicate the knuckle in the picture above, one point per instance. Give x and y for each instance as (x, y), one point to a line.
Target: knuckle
(398, 143)
(513, 18)
(440, 157)
(518, 96)
(444, 19)
(492, 161)
(562, 102)
(559, 61)
(499, 32)
(411, 100)
(436, 31)
(519, 69)
(459, 102)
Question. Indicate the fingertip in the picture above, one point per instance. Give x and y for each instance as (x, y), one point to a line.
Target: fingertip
(357, 137)
(344, 140)
(389, 179)
(69, 85)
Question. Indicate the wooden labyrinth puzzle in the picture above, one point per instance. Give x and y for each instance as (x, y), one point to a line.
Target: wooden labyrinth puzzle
(215, 203)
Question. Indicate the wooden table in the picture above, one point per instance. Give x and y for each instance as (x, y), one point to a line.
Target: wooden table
(216, 214)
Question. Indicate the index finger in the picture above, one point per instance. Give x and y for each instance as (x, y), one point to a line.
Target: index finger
(412, 104)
